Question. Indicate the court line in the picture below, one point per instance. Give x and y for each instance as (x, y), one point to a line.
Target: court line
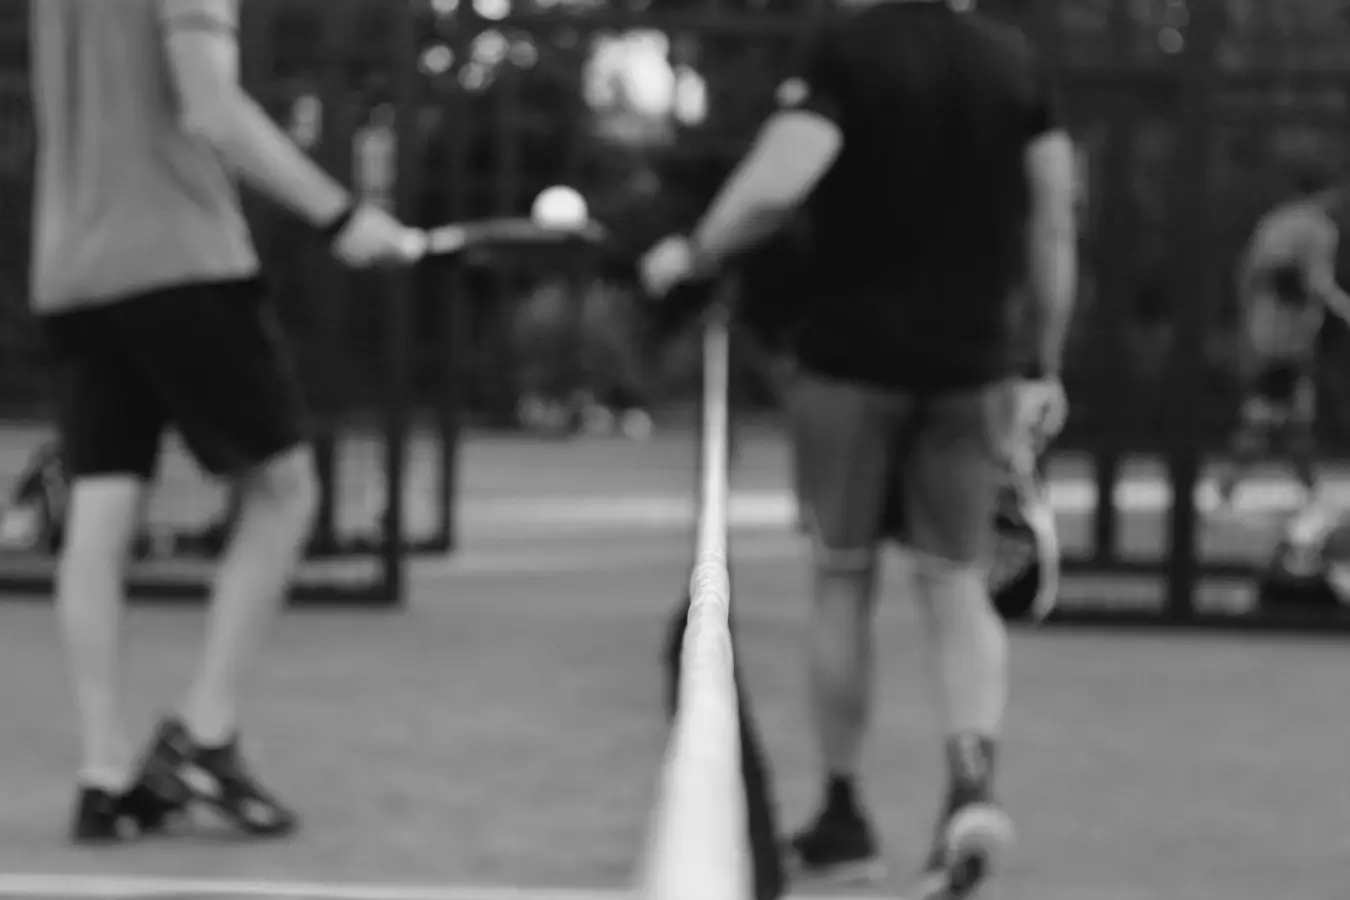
(113, 887)
(543, 559)
(777, 508)
(764, 518)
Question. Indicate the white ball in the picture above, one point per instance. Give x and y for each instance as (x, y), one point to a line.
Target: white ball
(559, 207)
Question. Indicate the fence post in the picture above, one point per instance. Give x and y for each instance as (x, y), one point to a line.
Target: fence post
(455, 347)
(1111, 298)
(403, 59)
(1193, 287)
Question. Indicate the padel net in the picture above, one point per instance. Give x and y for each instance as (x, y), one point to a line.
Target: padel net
(697, 847)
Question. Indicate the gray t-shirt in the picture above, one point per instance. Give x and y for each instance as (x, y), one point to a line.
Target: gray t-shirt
(1287, 245)
(126, 200)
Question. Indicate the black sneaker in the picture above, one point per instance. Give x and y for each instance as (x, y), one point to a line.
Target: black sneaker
(969, 843)
(838, 846)
(218, 778)
(105, 817)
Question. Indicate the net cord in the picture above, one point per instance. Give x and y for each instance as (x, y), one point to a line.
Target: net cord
(697, 845)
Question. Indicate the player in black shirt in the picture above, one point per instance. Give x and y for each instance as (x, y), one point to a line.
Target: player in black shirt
(923, 148)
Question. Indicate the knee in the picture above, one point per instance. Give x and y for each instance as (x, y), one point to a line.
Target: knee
(932, 568)
(831, 557)
(102, 517)
(833, 562)
(844, 584)
(287, 483)
(951, 588)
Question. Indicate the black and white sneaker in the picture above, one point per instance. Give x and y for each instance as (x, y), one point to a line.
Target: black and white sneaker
(217, 778)
(839, 847)
(969, 843)
(105, 817)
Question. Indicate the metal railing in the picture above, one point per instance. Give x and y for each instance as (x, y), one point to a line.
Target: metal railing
(1187, 114)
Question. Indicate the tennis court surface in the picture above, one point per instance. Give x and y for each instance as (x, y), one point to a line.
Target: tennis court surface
(500, 739)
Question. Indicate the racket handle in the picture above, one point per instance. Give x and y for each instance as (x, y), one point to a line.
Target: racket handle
(415, 245)
(446, 239)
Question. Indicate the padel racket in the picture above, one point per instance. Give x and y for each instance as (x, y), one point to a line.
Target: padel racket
(1024, 577)
(457, 237)
(33, 515)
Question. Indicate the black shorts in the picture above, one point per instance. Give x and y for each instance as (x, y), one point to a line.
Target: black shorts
(1282, 392)
(1280, 382)
(207, 360)
(922, 468)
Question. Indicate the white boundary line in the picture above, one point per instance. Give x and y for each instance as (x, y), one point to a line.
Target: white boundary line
(113, 887)
(541, 559)
(755, 509)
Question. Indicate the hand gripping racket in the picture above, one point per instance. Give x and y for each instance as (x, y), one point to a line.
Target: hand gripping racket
(458, 237)
(1024, 578)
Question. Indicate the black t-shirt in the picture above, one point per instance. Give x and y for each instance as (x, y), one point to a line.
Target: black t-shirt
(918, 226)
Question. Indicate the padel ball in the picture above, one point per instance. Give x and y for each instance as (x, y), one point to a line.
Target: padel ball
(559, 207)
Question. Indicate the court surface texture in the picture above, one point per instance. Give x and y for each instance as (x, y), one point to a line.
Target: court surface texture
(499, 738)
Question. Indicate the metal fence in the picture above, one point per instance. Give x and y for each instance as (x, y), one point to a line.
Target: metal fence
(1194, 121)
(341, 77)
(1188, 115)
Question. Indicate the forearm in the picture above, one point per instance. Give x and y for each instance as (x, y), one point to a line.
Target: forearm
(265, 159)
(1052, 278)
(791, 154)
(1338, 301)
(738, 220)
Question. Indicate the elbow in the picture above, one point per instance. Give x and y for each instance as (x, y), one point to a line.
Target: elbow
(206, 128)
(212, 122)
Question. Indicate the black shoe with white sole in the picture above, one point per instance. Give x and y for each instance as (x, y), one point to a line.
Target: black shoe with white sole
(106, 817)
(970, 842)
(839, 847)
(218, 778)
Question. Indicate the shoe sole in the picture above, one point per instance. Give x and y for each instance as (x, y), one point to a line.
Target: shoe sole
(976, 839)
(855, 873)
(202, 794)
(244, 816)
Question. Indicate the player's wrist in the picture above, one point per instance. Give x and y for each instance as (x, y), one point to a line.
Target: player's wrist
(703, 263)
(332, 229)
(1040, 370)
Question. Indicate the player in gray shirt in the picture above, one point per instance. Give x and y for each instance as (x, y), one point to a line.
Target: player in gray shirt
(146, 281)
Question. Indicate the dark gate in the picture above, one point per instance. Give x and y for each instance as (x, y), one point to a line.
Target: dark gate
(1185, 112)
(1212, 104)
(1182, 111)
(341, 77)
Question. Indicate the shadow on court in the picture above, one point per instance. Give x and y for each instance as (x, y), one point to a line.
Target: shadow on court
(506, 729)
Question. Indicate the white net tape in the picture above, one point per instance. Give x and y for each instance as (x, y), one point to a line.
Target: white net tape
(697, 846)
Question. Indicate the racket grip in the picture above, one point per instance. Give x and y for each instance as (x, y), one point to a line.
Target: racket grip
(415, 245)
(446, 240)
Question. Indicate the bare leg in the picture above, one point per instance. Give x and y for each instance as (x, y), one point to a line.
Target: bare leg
(277, 505)
(89, 600)
(842, 665)
(969, 662)
(953, 483)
